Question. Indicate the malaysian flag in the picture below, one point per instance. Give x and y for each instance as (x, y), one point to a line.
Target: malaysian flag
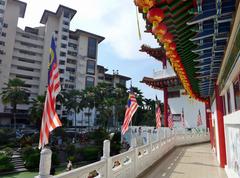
(131, 109)
(170, 119)
(50, 118)
(158, 113)
(182, 118)
(199, 119)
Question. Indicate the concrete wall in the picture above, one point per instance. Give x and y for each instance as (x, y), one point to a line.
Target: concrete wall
(191, 108)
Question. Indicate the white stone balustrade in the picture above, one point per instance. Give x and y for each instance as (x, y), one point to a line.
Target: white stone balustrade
(136, 160)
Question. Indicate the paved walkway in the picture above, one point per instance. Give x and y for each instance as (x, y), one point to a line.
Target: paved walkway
(195, 161)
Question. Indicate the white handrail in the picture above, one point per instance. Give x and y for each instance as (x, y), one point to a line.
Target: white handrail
(133, 162)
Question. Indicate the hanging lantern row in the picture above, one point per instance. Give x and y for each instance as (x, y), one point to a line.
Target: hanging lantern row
(155, 16)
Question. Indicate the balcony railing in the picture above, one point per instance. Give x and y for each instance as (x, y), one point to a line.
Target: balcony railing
(136, 160)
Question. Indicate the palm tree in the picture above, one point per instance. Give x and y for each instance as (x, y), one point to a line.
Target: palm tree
(14, 93)
(36, 110)
(88, 100)
(121, 96)
(72, 101)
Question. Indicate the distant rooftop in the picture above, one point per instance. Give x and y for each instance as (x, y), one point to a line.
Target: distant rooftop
(77, 32)
(58, 13)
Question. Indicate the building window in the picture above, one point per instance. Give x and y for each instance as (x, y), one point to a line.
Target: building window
(61, 62)
(236, 88)
(4, 34)
(27, 52)
(71, 61)
(2, 43)
(92, 48)
(63, 54)
(25, 68)
(72, 45)
(5, 25)
(71, 70)
(90, 67)
(64, 37)
(89, 81)
(63, 45)
(229, 102)
(61, 71)
(2, 3)
(72, 53)
(65, 30)
(65, 23)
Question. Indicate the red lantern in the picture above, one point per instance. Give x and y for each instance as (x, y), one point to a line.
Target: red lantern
(174, 54)
(155, 16)
(172, 46)
(168, 54)
(160, 29)
(145, 5)
(168, 38)
(166, 46)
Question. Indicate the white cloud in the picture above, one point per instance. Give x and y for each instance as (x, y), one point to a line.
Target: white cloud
(115, 20)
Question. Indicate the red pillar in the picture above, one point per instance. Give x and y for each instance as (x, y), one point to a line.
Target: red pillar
(221, 135)
(165, 92)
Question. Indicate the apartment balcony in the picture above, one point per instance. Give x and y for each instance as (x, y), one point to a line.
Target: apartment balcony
(28, 48)
(165, 73)
(27, 56)
(29, 39)
(26, 64)
(24, 72)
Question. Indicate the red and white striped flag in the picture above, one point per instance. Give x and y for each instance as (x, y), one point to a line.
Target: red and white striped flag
(199, 119)
(50, 118)
(170, 119)
(182, 118)
(158, 113)
(131, 109)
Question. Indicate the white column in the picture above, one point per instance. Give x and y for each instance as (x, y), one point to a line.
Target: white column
(45, 163)
(106, 149)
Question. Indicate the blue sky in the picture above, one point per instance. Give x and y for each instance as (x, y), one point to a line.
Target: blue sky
(115, 20)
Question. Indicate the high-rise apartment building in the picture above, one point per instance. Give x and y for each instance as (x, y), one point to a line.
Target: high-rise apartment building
(2, 10)
(25, 53)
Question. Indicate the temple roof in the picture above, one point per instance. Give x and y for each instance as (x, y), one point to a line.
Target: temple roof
(201, 30)
(161, 83)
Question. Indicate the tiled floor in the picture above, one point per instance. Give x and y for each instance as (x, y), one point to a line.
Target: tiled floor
(197, 161)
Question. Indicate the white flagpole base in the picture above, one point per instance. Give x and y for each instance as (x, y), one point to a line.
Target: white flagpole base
(45, 163)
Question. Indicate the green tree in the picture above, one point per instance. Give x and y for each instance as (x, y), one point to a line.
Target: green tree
(14, 93)
(71, 100)
(89, 100)
(36, 110)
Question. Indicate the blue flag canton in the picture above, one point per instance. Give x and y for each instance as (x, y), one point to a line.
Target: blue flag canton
(52, 58)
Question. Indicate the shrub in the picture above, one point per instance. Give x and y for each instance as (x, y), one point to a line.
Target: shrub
(99, 136)
(70, 150)
(32, 161)
(31, 157)
(90, 153)
(8, 151)
(55, 159)
(6, 135)
(5, 163)
(115, 144)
